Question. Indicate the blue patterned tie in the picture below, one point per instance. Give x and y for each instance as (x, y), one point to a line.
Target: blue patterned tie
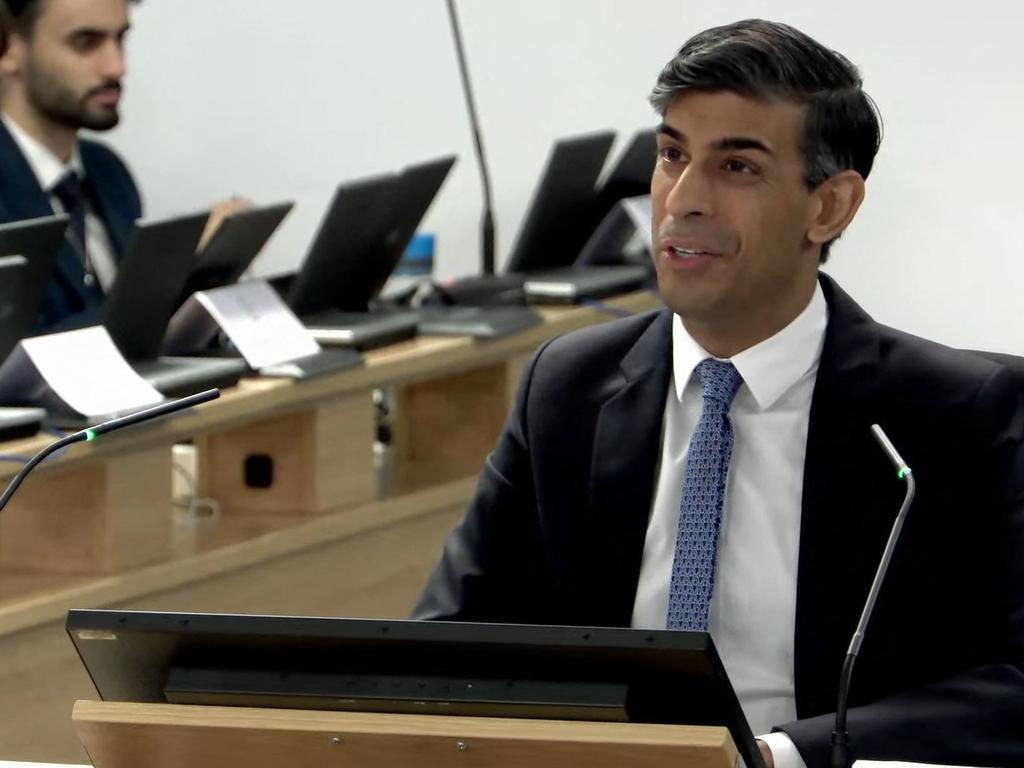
(700, 511)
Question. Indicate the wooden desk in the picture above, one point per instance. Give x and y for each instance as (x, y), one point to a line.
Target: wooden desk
(362, 554)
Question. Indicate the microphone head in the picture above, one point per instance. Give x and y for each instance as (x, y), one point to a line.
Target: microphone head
(890, 451)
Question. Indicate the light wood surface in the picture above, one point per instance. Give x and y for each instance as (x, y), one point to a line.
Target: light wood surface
(102, 517)
(444, 429)
(320, 459)
(125, 735)
(371, 562)
(367, 560)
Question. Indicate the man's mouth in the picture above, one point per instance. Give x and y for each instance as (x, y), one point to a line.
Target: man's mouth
(108, 94)
(688, 253)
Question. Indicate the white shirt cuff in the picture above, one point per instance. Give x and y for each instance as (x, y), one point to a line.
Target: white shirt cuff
(784, 751)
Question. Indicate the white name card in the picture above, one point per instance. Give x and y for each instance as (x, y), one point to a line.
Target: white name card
(258, 322)
(82, 369)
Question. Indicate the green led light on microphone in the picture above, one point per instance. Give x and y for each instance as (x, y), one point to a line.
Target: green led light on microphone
(90, 435)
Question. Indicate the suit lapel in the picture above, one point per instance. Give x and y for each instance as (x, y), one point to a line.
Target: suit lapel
(846, 501)
(25, 199)
(627, 445)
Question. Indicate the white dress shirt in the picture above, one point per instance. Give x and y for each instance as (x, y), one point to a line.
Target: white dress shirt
(753, 604)
(49, 170)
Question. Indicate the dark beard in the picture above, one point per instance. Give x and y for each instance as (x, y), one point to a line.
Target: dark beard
(63, 106)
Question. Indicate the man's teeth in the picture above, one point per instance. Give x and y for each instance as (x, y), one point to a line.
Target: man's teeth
(687, 253)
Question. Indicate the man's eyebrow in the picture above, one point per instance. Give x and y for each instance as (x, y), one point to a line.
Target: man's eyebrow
(724, 144)
(101, 31)
(671, 132)
(742, 142)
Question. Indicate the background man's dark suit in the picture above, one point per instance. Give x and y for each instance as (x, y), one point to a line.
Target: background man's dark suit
(556, 532)
(112, 193)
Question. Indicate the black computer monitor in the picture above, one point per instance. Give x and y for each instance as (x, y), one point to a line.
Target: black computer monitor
(560, 216)
(571, 673)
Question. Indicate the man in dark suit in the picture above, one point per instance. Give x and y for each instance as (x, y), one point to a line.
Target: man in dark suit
(711, 466)
(61, 73)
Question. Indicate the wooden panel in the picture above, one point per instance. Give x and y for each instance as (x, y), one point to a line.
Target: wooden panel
(321, 458)
(369, 562)
(100, 518)
(128, 735)
(444, 428)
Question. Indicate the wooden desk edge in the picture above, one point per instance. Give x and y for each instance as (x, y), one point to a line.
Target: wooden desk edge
(383, 368)
(108, 590)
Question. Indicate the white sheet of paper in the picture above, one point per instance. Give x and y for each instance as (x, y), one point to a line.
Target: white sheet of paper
(86, 371)
(260, 325)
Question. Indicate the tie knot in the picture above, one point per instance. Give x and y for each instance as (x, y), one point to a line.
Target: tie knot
(720, 379)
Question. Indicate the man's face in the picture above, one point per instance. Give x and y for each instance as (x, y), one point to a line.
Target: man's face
(731, 211)
(72, 62)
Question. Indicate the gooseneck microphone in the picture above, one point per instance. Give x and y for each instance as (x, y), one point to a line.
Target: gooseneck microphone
(487, 219)
(840, 736)
(90, 434)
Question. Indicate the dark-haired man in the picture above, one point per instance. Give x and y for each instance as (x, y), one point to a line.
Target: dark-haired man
(711, 466)
(62, 72)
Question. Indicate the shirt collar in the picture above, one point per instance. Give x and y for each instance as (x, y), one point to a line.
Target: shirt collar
(47, 167)
(768, 368)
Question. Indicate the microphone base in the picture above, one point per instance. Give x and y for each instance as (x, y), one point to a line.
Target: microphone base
(840, 750)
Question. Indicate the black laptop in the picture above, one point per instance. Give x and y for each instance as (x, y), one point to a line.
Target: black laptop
(38, 241)
(17, 319)
(630, 174)
(561, 217)
(237, 241)
(361, 240)
(150, 279)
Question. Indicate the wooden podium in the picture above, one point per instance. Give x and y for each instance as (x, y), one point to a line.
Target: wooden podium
(127, 735)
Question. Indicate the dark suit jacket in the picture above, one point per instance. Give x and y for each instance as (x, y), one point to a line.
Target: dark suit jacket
(556, 531)
(69, 302)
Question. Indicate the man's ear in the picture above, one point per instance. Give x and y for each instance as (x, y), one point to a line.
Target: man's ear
(837, 201)
(11, 61)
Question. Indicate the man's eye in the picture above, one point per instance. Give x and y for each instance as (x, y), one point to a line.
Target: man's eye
(85, 42)
(670, 154)
(738, 166)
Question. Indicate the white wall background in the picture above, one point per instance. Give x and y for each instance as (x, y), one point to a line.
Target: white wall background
(277, 100)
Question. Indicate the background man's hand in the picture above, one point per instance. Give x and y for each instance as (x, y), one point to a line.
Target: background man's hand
(219, 212)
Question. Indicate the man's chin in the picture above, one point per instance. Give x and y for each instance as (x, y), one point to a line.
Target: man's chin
(100, 121)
